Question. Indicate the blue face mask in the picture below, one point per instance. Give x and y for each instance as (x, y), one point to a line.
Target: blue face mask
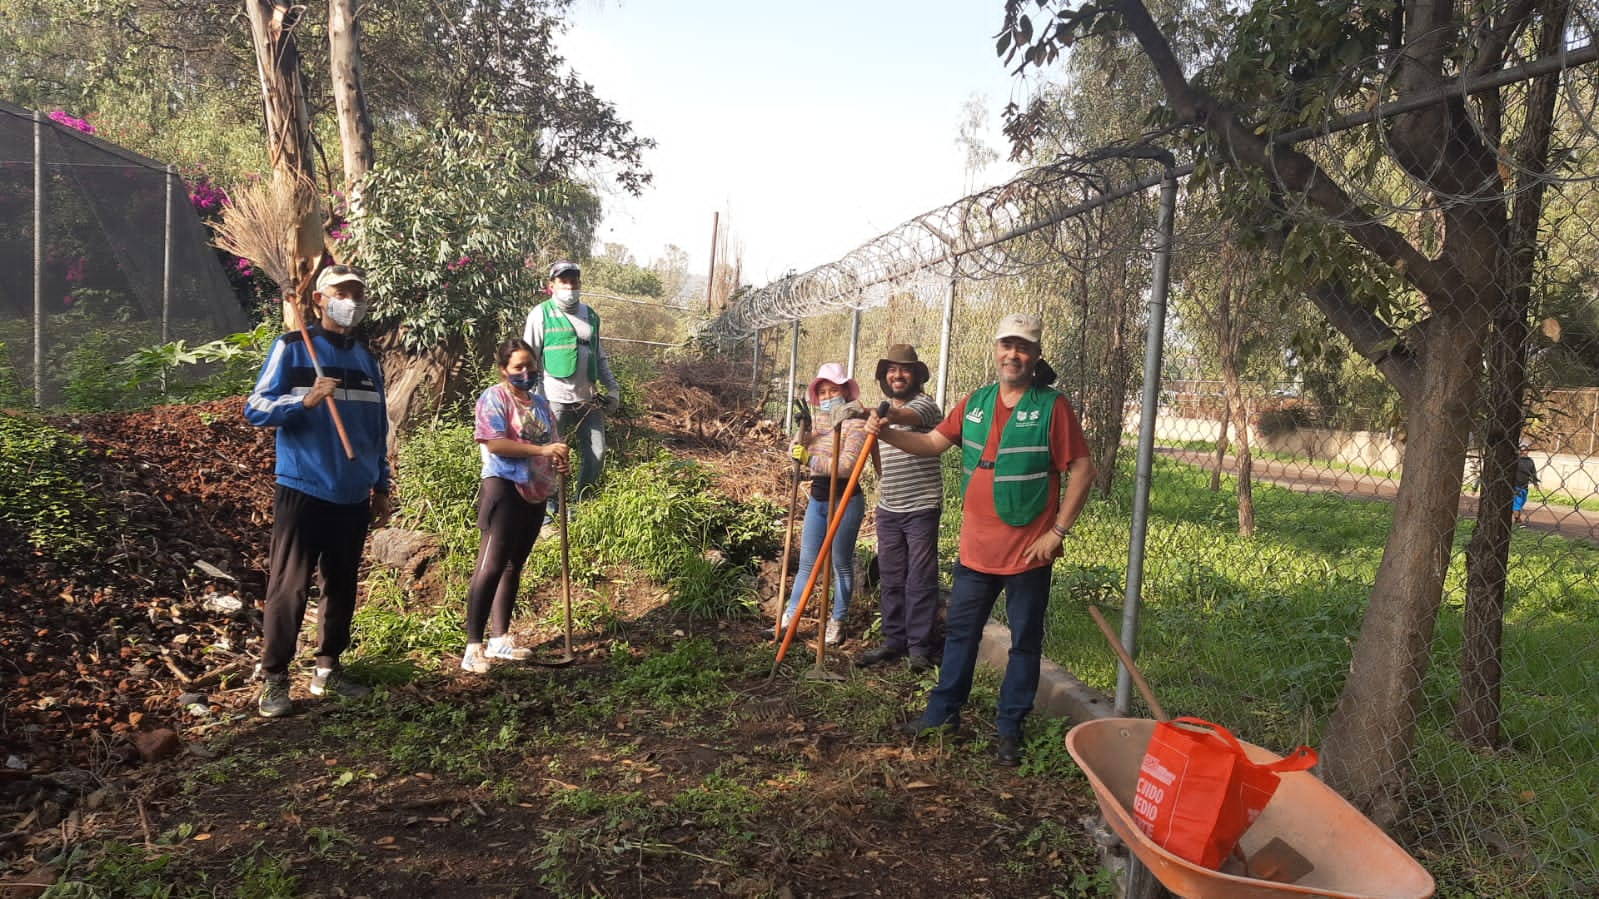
(523, 381)
(830, 403)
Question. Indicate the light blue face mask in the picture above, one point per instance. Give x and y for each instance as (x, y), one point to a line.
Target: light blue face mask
(830, 403)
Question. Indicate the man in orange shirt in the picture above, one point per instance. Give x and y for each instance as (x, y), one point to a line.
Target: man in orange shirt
(1018, 438)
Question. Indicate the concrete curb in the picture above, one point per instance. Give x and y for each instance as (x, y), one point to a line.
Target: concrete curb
(1060, 694)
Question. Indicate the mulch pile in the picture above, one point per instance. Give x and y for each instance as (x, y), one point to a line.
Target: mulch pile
(101, 648)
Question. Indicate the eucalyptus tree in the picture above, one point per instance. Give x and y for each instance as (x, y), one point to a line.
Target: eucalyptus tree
(1419, 302)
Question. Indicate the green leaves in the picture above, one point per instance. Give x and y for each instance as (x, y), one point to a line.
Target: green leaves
(42, 498)
(447, 239)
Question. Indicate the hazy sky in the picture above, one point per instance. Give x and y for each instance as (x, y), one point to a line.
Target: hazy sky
(810, 126)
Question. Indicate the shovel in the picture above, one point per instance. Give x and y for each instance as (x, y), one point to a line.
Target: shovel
(1276, 861)
(566, 581)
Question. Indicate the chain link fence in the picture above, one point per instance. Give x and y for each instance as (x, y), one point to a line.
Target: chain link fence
(101, 254)
(1380, 543)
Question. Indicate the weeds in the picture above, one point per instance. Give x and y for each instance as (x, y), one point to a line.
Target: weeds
(687, 677)
(42, 497)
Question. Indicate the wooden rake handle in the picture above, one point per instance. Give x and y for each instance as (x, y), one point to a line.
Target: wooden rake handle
(1121, 653)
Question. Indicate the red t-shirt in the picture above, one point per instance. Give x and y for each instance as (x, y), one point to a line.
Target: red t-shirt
(987, 543)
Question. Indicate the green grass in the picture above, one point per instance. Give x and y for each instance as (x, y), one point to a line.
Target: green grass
(1257, 633)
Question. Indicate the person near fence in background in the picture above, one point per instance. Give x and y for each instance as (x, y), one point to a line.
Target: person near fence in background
(521, 452)
(910, 501)
(1526, 476)
(564, 333)
(1021, 447)
(835, 403)
(324, 501)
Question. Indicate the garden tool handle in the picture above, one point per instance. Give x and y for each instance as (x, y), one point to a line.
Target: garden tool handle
(1132, 669)
(827, 542)
(566, 560)
(333, 408)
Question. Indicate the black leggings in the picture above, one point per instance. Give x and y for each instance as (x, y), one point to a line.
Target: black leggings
(508, 524)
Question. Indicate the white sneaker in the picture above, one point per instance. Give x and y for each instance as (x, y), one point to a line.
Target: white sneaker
(788, 619)
(835, 632)
(505, 648)
(473, 659)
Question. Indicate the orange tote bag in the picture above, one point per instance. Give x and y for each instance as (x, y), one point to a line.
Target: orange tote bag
(1198, 791)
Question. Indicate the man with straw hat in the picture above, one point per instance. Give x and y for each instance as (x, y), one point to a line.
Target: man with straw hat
(1021, 445)
(326, 496)
(910, 502)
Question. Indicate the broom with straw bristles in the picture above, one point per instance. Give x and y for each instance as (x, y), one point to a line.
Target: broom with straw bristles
(279, 229)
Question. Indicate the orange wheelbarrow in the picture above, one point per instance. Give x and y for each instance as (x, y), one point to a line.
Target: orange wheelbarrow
(1351, 857)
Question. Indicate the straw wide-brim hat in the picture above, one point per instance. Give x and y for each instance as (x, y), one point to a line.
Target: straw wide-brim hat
(903, 354)
(834, 373)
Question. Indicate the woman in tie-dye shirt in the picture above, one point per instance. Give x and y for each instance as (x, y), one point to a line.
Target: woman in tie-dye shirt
(521, 454)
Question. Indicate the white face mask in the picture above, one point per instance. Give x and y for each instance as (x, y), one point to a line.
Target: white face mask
(566, 297)
(345, 312)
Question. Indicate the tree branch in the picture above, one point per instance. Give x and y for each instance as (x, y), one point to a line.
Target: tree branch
(1291, 170)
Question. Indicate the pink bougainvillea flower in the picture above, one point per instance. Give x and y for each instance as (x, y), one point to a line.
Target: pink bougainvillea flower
(61, 117)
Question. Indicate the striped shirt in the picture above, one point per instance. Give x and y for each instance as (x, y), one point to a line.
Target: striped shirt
(912, 483)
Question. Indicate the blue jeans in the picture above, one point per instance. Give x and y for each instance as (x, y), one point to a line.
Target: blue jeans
(583, 426)
(907, 557)
(843, 552)
(971, 600)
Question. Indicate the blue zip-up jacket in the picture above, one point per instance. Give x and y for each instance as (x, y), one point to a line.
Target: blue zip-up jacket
(310, 457)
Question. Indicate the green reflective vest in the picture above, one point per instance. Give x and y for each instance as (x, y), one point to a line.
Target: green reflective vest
(560, 343)
(1021, 466)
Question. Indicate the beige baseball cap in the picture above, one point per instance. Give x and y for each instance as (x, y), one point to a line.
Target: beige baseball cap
(1021, 324)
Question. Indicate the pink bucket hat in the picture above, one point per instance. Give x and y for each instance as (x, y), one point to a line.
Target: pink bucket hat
(834, 373)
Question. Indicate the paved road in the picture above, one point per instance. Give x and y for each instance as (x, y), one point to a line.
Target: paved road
(1309, 478)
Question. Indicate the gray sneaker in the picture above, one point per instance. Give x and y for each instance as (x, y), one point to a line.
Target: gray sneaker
(274, 701)
(334, 681)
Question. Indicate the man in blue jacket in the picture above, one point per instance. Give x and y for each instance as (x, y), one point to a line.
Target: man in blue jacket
(324, 500)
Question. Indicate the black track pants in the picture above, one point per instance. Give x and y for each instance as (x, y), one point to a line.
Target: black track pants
(311, 535)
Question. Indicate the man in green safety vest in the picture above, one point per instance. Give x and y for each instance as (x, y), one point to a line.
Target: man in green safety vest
(564, 333)
(1021, 444)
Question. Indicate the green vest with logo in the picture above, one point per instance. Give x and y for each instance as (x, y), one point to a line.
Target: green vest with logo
(560, 343)
(1021, 465)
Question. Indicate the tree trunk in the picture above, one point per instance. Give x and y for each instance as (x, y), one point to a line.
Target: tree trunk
(344, 63)
(289, 150)
(1478, 708)
(1366, 751)
(419, 385)
(1225, 422)
(1246, 458)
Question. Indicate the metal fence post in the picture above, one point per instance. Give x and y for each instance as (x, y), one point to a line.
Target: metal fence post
(166, 264)
(944, 327)
(755, 359)
(793, 364)
(1146, 436)
(38, 258)
(854, 339)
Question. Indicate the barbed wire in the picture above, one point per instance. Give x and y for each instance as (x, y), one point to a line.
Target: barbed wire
(974, 238)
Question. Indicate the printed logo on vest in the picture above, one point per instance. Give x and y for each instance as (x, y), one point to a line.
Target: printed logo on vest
(975, 416)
